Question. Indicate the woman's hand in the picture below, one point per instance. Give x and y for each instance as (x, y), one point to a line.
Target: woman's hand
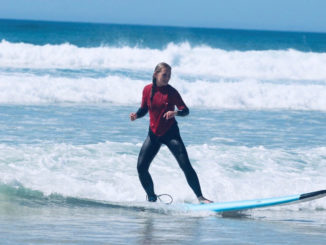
(133, 116)
(170, 114)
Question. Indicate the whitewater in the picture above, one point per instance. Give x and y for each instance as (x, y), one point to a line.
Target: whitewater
(68, 150)
(208, 77)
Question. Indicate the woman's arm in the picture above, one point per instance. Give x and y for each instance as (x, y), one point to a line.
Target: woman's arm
(182, 108)
(141, 112)
(143, 108)
(183, 112)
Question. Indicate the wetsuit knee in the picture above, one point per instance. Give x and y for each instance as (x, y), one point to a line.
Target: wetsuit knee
(141, 168)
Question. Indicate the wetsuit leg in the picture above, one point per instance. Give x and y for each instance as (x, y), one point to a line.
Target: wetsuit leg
(178, 149)
(148, 151)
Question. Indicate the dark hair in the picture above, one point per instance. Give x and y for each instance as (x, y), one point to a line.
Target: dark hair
(157, 69)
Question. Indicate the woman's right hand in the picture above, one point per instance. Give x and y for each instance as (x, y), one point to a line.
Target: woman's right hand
(133, 116)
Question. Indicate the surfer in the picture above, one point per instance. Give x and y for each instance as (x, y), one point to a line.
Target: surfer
(160, 99)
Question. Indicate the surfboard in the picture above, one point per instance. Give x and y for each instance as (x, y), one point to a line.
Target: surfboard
(255, 203)
(223, 207)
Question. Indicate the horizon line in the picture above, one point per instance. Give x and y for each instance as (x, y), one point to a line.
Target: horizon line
(169, 26)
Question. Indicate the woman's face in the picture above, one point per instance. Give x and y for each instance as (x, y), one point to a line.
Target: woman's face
(163, 77)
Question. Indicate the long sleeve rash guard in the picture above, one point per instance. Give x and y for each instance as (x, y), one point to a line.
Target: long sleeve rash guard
(165, 99)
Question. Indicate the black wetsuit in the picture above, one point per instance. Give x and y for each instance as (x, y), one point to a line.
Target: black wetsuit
(151, 146)
(163, 131)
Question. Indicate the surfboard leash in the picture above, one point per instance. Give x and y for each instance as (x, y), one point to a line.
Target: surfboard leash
(168, 203)
(162, 201)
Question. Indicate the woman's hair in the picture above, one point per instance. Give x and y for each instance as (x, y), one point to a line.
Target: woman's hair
(157, 69)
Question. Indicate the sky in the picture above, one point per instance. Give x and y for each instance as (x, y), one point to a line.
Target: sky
(284, 15)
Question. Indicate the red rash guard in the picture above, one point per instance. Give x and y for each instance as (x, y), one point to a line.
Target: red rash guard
(165, 99)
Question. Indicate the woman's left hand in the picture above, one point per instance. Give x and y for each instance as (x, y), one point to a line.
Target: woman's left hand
(170, 114)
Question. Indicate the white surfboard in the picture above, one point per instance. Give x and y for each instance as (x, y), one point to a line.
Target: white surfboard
(255, 203)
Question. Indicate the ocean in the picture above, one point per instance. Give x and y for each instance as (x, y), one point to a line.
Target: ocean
(68, 151)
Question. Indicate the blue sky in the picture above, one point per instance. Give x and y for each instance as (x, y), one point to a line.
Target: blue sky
(293, 15)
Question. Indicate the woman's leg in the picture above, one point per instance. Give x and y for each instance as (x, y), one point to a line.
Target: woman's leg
(147, 153)
(178, 149)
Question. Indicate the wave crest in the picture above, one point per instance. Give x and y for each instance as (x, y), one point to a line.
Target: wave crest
(120, 90)
(185, 59)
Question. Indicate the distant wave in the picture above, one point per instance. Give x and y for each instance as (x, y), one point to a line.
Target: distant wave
(121, 90)
(185, 59)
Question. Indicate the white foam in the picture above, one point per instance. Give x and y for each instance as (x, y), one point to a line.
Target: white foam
(107, 171)
(253, 94)
(185, 59)
(30, 89)
(119, 90)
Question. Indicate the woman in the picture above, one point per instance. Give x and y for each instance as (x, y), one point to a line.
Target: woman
(160, 100)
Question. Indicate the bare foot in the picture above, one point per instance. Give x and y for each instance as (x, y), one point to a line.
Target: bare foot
(203, 200)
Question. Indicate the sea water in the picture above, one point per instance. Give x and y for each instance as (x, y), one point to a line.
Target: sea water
(68, 151)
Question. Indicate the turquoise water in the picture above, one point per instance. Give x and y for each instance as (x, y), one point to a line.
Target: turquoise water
(93, 35)
(68, 150)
